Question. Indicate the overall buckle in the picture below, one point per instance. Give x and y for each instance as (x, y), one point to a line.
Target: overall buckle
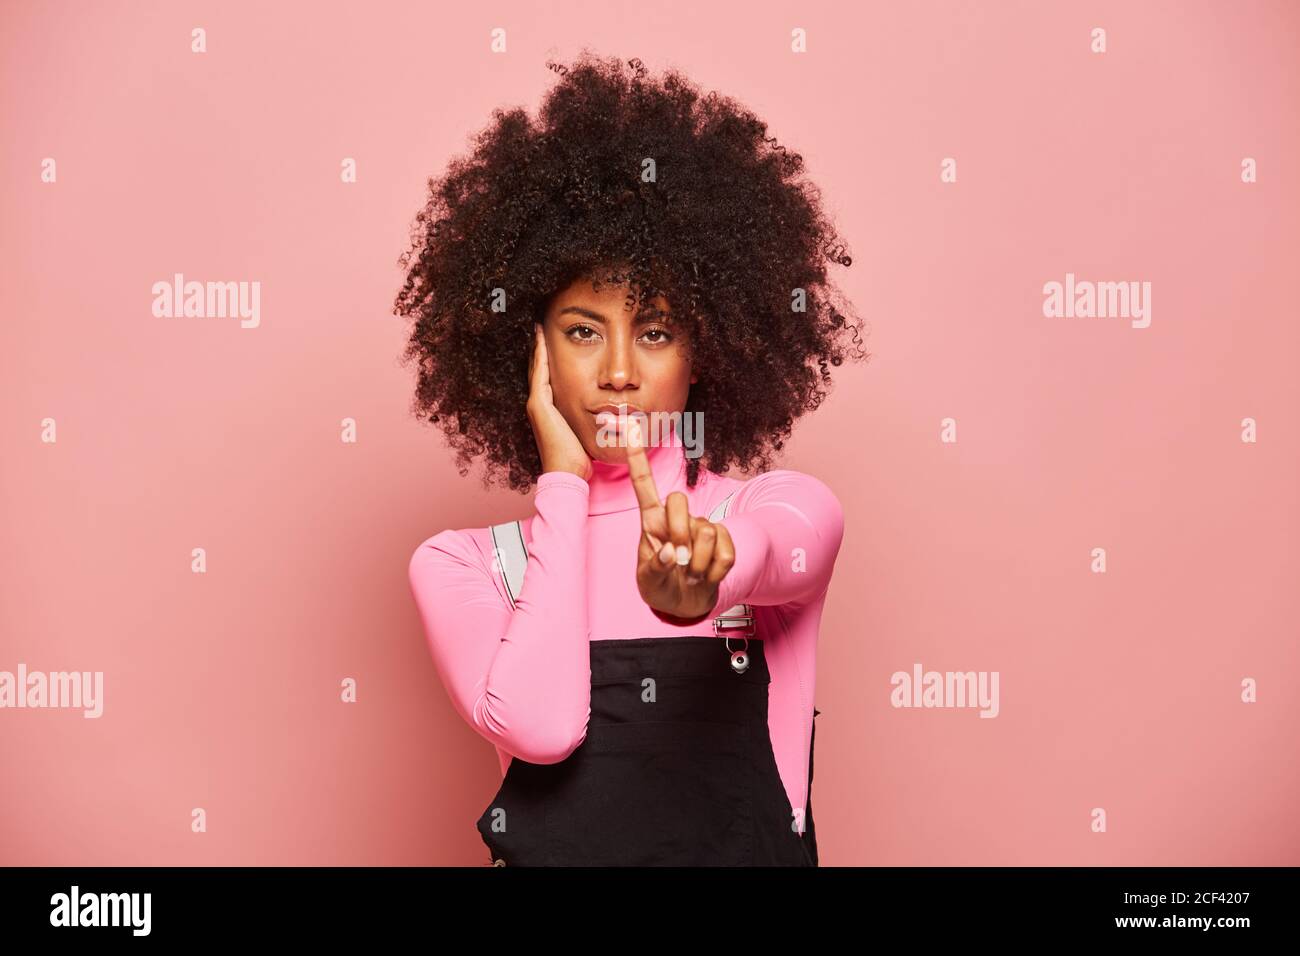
(737, 621)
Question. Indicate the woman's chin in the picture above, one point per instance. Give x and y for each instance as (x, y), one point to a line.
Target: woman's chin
(609, 454)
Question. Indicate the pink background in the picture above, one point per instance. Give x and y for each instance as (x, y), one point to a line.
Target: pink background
(1118, 690)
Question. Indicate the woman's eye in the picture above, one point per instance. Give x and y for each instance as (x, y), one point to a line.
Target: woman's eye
(585, 333)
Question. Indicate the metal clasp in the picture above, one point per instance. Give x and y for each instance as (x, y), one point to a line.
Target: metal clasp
(736, 621)
(739, 617)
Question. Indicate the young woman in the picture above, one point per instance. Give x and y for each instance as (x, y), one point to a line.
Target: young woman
(618, 303)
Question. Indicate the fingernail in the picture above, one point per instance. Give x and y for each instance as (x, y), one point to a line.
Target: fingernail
(634, 431)
(692, 579)
(666, 554)
(683, 554)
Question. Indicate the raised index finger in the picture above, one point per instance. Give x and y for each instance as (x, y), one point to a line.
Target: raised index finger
(638, 467)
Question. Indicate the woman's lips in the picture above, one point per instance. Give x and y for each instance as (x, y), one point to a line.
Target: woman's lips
(617, 419)
(613, 419)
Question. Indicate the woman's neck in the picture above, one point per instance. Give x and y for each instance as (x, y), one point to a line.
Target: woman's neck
(611, 486)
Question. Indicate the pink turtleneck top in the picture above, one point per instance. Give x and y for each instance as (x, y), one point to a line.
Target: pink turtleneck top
(521, 677)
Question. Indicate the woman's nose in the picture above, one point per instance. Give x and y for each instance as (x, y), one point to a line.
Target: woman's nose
(620, 364)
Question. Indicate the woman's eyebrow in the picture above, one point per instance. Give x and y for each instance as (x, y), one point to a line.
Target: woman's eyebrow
(649, 315)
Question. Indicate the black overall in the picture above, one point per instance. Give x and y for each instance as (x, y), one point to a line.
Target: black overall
(677, 769)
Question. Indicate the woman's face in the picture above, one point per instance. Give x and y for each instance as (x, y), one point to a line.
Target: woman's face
(603, 356)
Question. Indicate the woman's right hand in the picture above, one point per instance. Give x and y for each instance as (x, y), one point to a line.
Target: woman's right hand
(559, 446)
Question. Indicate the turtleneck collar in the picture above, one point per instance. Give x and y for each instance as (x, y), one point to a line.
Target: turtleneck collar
(610, 487)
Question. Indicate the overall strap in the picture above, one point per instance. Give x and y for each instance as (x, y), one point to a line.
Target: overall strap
(510, 560)
(738, 617)
(720, 511)
(510, 557)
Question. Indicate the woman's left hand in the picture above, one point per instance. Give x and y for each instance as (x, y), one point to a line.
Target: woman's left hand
(681, 559)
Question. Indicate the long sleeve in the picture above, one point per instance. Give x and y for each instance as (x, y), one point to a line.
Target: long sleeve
(521, 678)
(787, 528)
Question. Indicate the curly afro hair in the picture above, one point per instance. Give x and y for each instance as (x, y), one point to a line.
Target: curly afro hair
(684, 191)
